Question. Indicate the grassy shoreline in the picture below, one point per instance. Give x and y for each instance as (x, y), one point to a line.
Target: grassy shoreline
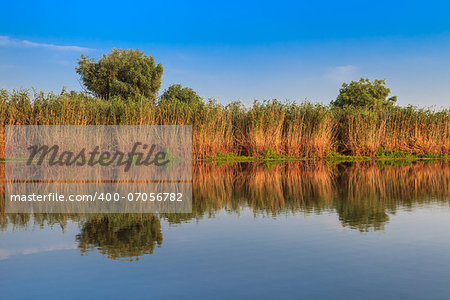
(334, 159)
(340, 158)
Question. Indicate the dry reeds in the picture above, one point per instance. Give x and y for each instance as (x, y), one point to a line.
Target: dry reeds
(296, 130)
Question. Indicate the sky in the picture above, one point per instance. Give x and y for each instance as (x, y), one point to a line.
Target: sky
(238, 50)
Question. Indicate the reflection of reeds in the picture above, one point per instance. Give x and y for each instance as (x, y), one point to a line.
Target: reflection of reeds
(409, 182)
(287, 186)
(363, 193)
(2, 188)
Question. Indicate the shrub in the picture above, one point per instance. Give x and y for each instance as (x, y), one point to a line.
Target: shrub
(176, 92)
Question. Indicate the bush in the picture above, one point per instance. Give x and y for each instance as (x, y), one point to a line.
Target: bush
(176, 92)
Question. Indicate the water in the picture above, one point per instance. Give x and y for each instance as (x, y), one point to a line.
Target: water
(356, 230)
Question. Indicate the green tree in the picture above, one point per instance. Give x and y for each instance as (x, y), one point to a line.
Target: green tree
(176, 92)
(364, 93)
(125, 73)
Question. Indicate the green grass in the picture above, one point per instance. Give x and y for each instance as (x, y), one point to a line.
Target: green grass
(382, 153)
(270, 158)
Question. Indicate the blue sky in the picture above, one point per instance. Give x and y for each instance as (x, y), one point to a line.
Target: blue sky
(233, 50)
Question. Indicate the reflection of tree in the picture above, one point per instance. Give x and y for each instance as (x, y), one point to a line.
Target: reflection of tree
(360, 202)
(122, 236)
(362, 215)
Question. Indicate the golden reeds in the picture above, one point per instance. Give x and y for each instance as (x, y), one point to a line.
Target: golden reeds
(296, 130)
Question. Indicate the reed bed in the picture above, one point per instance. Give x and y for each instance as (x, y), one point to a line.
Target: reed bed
(290, 129)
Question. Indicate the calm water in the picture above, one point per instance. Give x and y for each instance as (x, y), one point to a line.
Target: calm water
(366, 230)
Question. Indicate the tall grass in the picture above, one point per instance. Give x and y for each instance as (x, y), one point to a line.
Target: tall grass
(300, 130)
(418, 131)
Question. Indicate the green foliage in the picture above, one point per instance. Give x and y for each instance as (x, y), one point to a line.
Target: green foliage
(124, 73)
(270, 153)
(176, 92)
(432, 155)
(228, 158)
(364, 93)
(382, 153)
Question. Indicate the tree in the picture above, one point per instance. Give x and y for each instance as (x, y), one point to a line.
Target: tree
(176, 92)
(364, 93)
(125, 73)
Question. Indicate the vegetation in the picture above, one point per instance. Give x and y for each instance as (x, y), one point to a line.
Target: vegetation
(265, 128)
(124, 84)
(124, 73)
(176, 92)
(364, 93)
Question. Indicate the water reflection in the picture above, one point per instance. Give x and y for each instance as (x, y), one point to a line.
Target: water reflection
(120, 236)
(362, 194)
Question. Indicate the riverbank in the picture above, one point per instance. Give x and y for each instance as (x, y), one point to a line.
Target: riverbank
(263, 129)
(337, 158)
